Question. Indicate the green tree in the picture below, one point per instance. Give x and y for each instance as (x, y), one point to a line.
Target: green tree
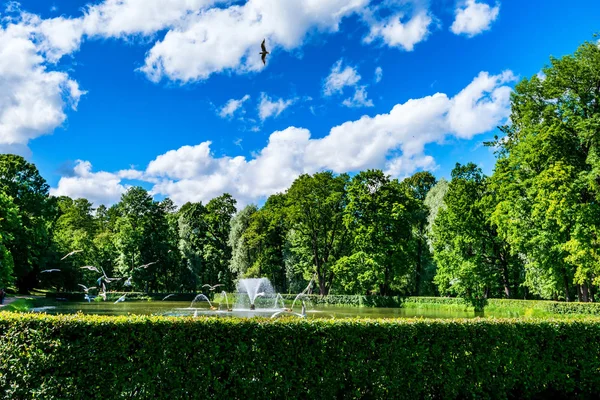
(548, 176)
(315, 209)
(30, 244)
(473, 261)
(420, 184)
(241, 255)
(9, 222)
(379, 216)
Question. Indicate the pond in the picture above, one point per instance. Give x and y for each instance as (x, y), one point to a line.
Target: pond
(177, 308)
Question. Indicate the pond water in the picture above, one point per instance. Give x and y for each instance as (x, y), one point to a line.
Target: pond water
(201, 308)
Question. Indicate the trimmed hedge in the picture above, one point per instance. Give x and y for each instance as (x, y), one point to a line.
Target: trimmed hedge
(77, 357)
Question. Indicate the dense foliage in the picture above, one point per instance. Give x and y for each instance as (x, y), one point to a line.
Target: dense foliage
(153, 357)
(528, 231)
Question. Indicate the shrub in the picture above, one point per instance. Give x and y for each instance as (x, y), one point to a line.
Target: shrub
(78, 357)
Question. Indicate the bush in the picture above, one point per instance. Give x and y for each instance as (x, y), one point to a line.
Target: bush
(78, 357)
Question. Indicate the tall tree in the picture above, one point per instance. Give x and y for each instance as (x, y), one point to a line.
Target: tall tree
(30, 245)
(241, 254)
(315, 208)
(473, 261)
(420, 184)
(379, 217)
(9, 222)
(217, 251)
(548, 175)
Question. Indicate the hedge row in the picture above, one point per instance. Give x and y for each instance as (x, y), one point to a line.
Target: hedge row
(93, 357)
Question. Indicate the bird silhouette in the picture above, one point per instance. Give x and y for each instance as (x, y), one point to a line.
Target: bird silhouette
(86, 289)
(50, 270)
(87, 298)
(91, 268)
(71, 253)
(168, 296)
(127, 282)
(264, 52)
(211, 288)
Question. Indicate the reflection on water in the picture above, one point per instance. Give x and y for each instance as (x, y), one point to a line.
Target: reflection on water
(182, 308)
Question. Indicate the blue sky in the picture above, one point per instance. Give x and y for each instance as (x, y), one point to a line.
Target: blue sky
(105, 94)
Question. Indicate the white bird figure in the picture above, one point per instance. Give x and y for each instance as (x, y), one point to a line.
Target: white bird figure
(103, 295)
(127, 282)
(211, 288)
(86, 289)
(50, 270)
(107, 279)
(147, 265)
(168, 296)
(87, 298)
(91, 268)
(71, 253)
(122, 298)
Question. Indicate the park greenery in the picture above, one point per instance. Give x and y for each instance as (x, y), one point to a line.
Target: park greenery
(530, 230)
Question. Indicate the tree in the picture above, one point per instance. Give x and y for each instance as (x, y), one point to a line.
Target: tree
(420, 184)
(473, 261)
(379, 216)
(9, 222)
(241, 255)
(548, 176)
(217, 252)
(30, 242)
(315, 209)
(192, 238)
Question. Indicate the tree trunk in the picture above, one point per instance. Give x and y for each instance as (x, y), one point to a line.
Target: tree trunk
(505, 281)
(579, 293)
(585, 293)
(566, 283)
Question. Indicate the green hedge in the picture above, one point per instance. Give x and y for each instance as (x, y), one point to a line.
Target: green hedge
(93, 357)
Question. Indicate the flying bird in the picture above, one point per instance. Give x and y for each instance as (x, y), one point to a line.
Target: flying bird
(103, 295)
(211, 288)
(86, 289)
(127, 282)
(147, 265)
(168, 296)
(71, 253)
(91, 268)
(50, 270)
(122, 298)
(88, 298)
(264, 52)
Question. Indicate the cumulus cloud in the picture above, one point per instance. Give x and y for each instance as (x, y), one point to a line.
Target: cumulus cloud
(98, 187)
(472, 18)
(204, 42)
(341, 77)
(232, 106)
(272, 108)
(360, 99)
(33, 98)
(393, 141)
(395, 33)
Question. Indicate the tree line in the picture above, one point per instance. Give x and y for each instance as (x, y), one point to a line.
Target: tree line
(530, 230)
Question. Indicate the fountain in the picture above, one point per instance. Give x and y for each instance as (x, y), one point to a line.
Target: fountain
(255, 297)
(253, 288)
(201, 297)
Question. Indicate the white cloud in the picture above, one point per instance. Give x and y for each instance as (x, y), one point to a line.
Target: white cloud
(359, 99)
(339, 78)
(33, 98)
(232, 106)
(472, 18)
(378, 74)
(395, 33)
(393, 141)
(272, 108)
(228, 39)
(98, 187)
